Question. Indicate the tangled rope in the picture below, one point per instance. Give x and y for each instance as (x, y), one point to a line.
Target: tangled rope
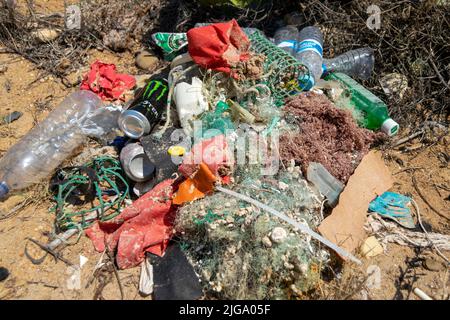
(91, 183)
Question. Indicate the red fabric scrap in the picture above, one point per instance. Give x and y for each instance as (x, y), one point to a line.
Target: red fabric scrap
(144, 226)
(218, 46)
(103, 80)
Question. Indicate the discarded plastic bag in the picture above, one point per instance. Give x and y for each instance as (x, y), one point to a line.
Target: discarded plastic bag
(146, 278)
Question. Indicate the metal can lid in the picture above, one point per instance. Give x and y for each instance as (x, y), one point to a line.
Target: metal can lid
(134, 124)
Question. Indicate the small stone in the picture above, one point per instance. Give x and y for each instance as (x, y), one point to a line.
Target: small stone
(227, 204)
(4, 273)
(371, 247)
(266, 242)
(282, 186)
(232, 250)
(292, 163)
(146, 60)
(248, 220)
(433, 265)
(45, 35)
(278, 235)
(3, 68)
(242, 212)
(302, 268)
(288, 266)
(229, 219)
(213, 226)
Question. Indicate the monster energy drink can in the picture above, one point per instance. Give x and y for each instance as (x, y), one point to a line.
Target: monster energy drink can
(146, 109)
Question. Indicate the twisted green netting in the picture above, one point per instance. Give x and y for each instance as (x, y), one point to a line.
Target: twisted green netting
(108, 173)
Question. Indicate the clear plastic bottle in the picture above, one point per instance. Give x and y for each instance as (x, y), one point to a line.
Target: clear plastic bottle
(287, 39)
(356, 63)
(309, 52)
(50, 142)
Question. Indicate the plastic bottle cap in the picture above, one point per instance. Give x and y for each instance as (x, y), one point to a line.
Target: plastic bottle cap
(176, 151)
(390, 127)
(307, 84)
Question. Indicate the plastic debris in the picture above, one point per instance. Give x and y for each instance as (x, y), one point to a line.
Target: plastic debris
(170, 43)
(213, 152)
(375, 111)
(190, 102)
(227, 238)
(100, 183)
(217, 122)
(104, 81)
(13, 116)
(174, 277)
(309, 52)
(327, 185)
(422, 295)
(196, 187)
(146, 279)
(394, 206)
(47, 145)
(356, 63)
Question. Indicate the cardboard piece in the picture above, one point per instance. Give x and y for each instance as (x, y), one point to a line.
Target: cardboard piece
(345, 225)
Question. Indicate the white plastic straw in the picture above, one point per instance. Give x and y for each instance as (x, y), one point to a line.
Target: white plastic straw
(294, 223)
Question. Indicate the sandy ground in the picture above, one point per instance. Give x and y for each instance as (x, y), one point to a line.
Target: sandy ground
(22, 88)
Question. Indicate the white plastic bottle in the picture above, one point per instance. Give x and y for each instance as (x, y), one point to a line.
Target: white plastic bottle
(50, 142)
(310, 52)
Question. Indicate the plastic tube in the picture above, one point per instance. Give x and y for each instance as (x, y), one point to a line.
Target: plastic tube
(422, 295)
(294, 223)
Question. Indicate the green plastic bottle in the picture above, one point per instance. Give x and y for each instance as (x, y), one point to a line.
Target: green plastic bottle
(376, 116)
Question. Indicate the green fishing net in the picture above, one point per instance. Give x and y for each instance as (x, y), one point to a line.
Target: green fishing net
(230, 244)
